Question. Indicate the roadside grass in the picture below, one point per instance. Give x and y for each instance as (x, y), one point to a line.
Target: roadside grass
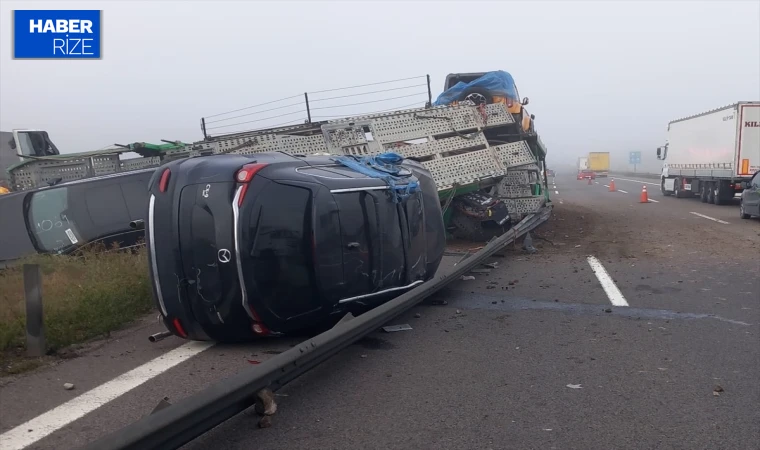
(84, 297)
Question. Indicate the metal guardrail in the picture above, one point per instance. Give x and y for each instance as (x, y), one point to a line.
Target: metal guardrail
(180, 423)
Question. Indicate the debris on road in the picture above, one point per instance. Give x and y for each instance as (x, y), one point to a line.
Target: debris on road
(459, 311)
(574, 386)
(363, 356)
(528, 244)
(717, 390)
(480, 271)
(608, 310)
(253, 361)
(265, 422)
(467, 277)
(265, 404)
(394, 328)
(417, 315)
(493, 265)
(68, 386)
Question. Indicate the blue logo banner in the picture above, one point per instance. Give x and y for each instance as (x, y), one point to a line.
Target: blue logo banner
(57, 34)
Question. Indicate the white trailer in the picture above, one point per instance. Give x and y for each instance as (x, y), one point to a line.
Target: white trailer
(712, 155)
(582, 163)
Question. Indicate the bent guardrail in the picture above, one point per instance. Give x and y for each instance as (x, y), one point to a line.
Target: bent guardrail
(180, 423)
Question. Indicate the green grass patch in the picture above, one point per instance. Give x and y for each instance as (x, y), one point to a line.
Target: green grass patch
(83, 296)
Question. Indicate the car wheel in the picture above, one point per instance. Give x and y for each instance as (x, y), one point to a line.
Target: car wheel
(742, 214)
(711, 193)
(477, 95)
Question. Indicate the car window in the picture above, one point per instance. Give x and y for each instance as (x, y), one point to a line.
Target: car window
(106, 207)
(756, 180)
(54, 230)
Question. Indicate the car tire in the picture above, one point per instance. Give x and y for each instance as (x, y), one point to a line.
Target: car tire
(742, 214)
(478, 95)
(470, 228)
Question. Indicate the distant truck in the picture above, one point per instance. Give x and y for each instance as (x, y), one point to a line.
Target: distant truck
(599, 163)
(582, 163)
(712, 155)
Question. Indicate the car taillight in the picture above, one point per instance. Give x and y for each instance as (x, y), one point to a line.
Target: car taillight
(245, 175)
(178, 326)
(164, 182)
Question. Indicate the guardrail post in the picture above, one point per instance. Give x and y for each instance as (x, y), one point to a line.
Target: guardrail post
(35, 327)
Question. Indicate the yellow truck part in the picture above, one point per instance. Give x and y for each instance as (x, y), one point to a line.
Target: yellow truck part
(599, 162)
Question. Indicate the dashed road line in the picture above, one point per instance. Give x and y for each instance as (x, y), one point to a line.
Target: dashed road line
(638, 181)
(47, 423)
(556, 192)
(653, 201)
(613, 293)
(606, 185)
(624, 192)
(598, 182)
(710, 218)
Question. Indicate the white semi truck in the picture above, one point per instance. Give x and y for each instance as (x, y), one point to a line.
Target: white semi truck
(712, 155)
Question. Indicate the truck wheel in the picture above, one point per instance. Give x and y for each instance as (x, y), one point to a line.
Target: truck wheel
(662, 188)
(724, 194)
(710, 193)
(678, 189)
(704, 192)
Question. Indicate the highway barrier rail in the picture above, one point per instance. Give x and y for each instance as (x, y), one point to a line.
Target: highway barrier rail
(180, 423)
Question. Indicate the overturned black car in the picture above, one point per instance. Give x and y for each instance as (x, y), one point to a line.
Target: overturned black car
(243, 246)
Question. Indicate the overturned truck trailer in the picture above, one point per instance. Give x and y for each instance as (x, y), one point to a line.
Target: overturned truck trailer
(488, 173)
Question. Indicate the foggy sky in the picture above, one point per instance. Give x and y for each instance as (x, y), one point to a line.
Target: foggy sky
(600, 75)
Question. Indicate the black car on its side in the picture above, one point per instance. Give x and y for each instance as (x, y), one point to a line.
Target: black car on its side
(243, 246)
(66, 217)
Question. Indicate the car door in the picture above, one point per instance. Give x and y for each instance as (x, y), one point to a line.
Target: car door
(751, 197)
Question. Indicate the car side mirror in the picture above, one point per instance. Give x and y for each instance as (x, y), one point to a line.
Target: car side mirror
(525, 101)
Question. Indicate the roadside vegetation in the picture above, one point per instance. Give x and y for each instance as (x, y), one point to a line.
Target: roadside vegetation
(84, 297)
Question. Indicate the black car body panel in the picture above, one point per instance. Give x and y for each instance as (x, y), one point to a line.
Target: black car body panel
(66, 217)
(310, 240)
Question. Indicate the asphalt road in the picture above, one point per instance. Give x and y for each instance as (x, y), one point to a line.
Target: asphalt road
(533, 354)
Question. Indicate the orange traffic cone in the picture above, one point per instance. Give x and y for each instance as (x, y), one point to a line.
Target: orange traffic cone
(644, 196)
(612, 185)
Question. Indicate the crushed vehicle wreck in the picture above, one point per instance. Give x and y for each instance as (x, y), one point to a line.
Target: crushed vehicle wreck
(243, 246)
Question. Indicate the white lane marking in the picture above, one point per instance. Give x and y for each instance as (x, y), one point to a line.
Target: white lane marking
(560, 201)
(612, 291)
(638, 181)
(606, 185)
(653, 201)
(556, 192)
(598, 182)
(711, 218)
(624, 192)
(45, 424)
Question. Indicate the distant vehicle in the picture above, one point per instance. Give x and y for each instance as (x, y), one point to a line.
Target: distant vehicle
(713, 154)
(66, 217)
(243, 246)
(599, 162)
(749, 205)
(550, 173)
(586, 173)
(582, 163)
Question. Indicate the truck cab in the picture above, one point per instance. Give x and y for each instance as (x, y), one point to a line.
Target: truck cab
(22, 142)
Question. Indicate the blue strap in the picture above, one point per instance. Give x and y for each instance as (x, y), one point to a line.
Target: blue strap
(385, 166)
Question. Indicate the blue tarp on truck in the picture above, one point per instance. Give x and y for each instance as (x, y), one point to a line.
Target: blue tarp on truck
(497, 83)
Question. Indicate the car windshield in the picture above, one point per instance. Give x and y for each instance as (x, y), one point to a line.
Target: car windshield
(52, 227)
